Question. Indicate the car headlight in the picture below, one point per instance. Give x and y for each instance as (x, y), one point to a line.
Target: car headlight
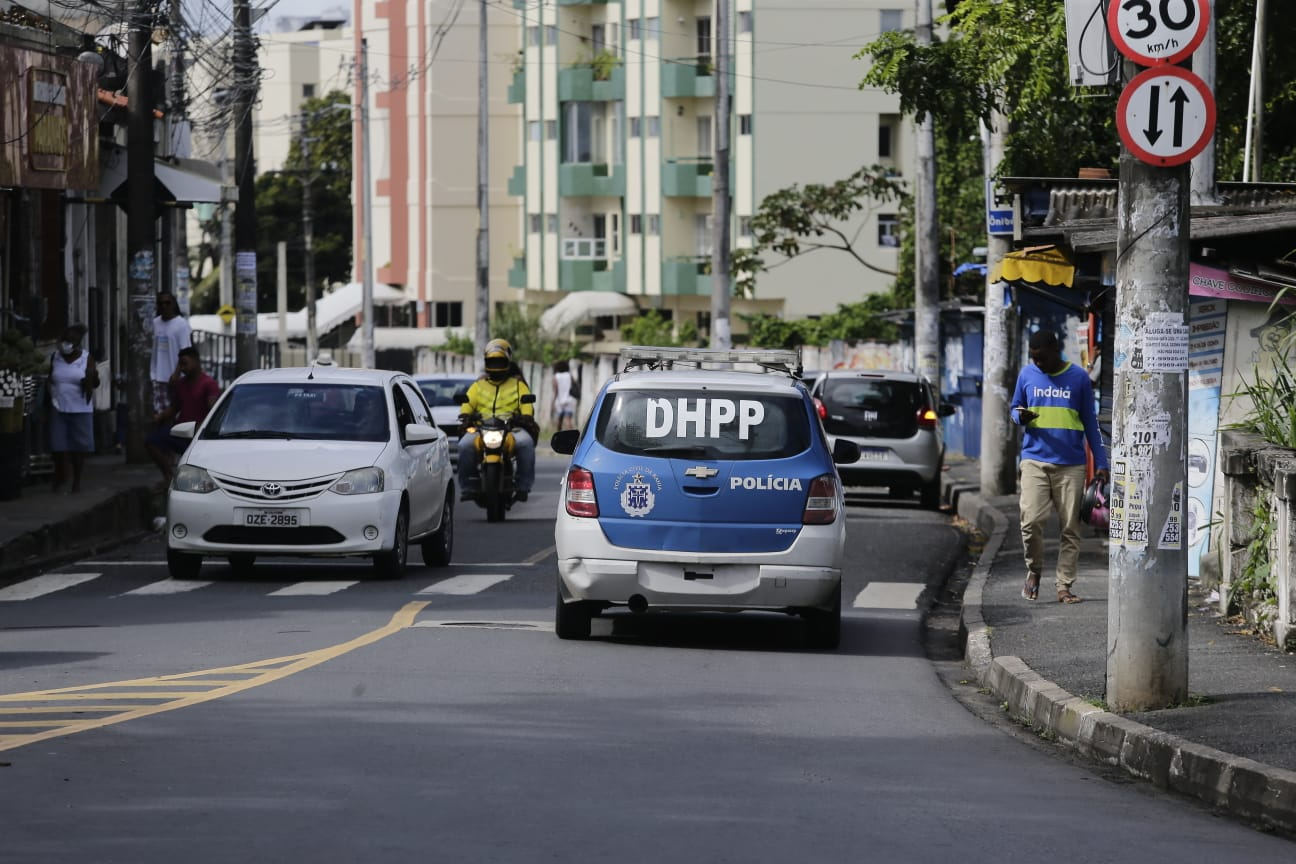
(361, 481)
(493, 438)
(191, 478)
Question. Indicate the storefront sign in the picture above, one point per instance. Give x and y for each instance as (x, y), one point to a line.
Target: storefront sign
(1206, 281)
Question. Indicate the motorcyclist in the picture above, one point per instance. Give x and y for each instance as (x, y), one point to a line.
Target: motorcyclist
(498, 392)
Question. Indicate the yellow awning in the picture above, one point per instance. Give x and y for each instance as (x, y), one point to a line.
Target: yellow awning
(1045, 264)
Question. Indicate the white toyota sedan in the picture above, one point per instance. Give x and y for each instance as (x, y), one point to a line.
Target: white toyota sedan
(319, 461)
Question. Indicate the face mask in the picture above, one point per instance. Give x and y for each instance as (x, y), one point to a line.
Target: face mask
(66, 348)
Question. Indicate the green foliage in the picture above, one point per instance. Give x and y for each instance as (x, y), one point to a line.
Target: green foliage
(458, 343)
(1273, 405)
(1255, 588)
(604, 63)
(650, 328)
(521, 327)
(18, 354)
(854, 322)
(1235, 26)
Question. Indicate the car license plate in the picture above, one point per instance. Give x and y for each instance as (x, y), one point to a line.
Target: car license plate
(272, 518)
(874, 454)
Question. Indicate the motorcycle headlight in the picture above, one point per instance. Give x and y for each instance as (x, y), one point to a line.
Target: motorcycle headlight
(493, 438)
(191, 478)
(361, 481)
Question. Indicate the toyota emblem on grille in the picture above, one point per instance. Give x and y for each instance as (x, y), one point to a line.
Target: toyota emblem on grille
(702, 472)
(271, 490)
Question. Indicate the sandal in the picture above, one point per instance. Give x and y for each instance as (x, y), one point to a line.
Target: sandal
(1065, 596)
(1030, 590)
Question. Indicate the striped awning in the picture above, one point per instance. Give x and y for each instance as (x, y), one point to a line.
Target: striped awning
(1046, 264)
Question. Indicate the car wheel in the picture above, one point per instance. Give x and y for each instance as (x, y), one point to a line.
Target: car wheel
(438, 547)
(241, 562)
(931, 493)
(572, 620)
(823, 628)
(183, 565)
(390, 564)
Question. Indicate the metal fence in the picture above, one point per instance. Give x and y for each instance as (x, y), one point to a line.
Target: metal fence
(219, 353)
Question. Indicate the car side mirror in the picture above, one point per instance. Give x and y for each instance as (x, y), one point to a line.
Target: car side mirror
(845, 452)
(420, 433)
(565, 441)
(185, 429)
(945, 409)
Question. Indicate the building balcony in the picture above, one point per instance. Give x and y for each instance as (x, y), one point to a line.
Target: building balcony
(590, 180)
(686, 277)
(687, 77)
(517, 274)
(517, 181)
(687, 178)
(591, 82)
(591, 274)
(517, 88)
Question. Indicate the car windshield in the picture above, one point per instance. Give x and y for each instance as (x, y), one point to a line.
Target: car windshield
(440, 392)
(704, 424)
(307, 409)
(871, 406)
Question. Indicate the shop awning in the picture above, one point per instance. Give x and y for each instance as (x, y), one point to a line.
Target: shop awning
(1039, 264)
(579, 305)
(182, 181)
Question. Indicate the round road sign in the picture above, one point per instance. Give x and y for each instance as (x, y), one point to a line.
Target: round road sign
(1152, 32)
(1165, 115)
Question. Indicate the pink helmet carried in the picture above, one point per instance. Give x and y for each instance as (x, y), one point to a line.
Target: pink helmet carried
(1093, 505)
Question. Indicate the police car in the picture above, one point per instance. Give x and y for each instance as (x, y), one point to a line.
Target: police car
(702, 481)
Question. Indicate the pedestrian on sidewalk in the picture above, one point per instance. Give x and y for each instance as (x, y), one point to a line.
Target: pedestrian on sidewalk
(73, 377)
(564, 398)
(1054, 405)
(170, 334)
(194, 394)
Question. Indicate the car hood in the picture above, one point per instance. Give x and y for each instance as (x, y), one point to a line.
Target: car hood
(273, 459)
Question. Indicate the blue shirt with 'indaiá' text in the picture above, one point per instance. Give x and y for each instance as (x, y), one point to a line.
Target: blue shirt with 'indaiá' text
(1065, 405)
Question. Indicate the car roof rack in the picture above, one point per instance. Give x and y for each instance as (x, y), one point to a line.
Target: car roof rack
(784, 360)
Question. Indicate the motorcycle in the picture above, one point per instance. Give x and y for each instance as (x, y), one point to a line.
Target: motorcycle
(496, 461)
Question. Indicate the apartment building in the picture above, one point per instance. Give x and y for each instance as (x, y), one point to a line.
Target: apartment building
(615, 173)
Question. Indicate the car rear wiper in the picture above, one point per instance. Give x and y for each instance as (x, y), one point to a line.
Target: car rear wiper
(257, 433)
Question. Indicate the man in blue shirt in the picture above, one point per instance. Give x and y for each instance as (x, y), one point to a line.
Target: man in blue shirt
(1054, 405)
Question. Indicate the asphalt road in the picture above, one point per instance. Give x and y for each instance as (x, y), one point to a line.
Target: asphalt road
(302, 713)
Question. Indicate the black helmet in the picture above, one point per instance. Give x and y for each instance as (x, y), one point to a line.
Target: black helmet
(498, 359)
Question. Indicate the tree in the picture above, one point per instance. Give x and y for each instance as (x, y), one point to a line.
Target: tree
(324, 157)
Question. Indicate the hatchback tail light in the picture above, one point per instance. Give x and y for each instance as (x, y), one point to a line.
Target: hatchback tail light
(820, 408)
(927, 418)
(821, 503)
(581, 500)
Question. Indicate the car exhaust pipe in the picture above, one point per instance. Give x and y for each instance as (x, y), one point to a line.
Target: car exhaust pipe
(638, 604)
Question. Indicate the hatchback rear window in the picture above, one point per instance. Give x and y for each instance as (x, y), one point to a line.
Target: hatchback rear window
(871, 406)
(703, 424)
(343, 412)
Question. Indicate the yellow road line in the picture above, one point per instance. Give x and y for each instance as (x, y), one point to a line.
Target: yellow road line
(267, 671)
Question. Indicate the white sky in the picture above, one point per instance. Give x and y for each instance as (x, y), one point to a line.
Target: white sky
(277, 17)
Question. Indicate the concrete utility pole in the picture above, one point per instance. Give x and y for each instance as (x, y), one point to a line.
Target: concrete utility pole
(308, 240)
(366, 163)
(483, 186)
(140, 231)
(245, 224)
(927, 234)
(1203, 164)
(1255, 102)
(999, 368)
(720, 204)
(1147, 619)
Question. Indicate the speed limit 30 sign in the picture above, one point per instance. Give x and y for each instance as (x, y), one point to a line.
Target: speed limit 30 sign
(1153, 32)
(1166, 115)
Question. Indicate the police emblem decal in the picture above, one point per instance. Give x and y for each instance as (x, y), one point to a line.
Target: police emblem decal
(637, 498)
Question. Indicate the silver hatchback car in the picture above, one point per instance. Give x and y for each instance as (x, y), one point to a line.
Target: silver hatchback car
(894, 417)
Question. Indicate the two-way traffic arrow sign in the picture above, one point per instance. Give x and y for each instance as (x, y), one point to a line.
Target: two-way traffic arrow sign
(1166, 115)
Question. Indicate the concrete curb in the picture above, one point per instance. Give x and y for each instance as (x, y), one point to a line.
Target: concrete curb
(119, 518)
(1243, 787)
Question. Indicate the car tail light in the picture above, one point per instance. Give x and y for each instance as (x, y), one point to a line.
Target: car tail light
(581, 500)
(821, 504)
(927, 418)
(821, 408)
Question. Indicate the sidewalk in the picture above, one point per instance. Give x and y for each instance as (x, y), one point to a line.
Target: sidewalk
(40, 528)
(1233, 746)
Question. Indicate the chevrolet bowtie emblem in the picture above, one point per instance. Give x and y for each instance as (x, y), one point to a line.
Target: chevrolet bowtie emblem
(701, 472)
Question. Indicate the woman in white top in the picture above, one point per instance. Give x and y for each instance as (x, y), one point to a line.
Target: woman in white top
(72, 382)
(564, 404)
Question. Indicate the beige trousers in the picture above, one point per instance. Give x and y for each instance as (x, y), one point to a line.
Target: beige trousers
(1046, 487)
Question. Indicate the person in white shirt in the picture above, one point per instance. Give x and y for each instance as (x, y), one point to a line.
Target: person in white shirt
(72, 381)
(170, 333)
(564, 403)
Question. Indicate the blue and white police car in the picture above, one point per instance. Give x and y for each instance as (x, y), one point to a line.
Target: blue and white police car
(703, 481)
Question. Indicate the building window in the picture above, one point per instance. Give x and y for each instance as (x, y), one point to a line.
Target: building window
(654, 225)
(533, 223)
(652, 29)
(654, 127)
(533, 130)
(635, 126)
(744, 124)
(636, 223)
(447, 313)
(308, 91)
(745, 228)
(888, 230)
(551, 130)
(890, 20)
(744, 22)
(551, 34)
(632, 29)
(886, 136)
(551, 223)
(533, 36)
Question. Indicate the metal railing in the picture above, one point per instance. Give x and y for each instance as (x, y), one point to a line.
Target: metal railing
(219, 354)
(584, 248)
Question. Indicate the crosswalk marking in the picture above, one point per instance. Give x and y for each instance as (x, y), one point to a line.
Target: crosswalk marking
(312, 589)
(889, 595)
(169, 586)
(467, 583)
(45, 584)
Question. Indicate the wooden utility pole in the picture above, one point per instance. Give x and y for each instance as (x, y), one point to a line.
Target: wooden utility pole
(140, 231)
(245, 223)
(927, 235)
(720, 205)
